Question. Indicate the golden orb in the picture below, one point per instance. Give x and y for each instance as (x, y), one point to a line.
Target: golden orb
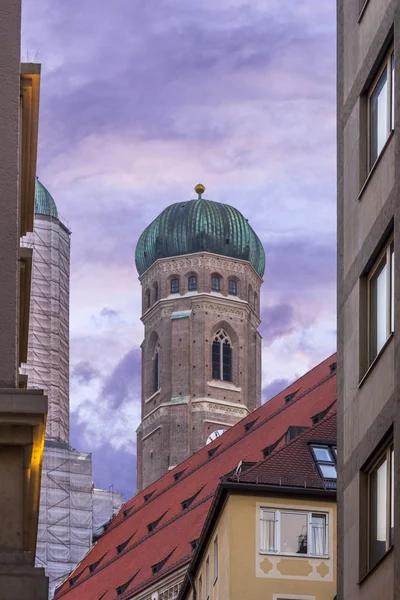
(199, 189)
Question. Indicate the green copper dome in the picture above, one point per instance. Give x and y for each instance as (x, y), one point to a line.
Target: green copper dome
(199, 226)
(44, 202)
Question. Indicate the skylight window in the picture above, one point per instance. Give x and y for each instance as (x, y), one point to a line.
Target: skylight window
(325, 458)
(94, 565)
(188, 502)
(177, 475)
(148, 496)
(153, 525)
(248, 426)
(158, 566)
(124, 544)
(121, 589)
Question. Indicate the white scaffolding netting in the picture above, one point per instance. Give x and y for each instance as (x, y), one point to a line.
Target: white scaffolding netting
(47, 367)
(65, 520)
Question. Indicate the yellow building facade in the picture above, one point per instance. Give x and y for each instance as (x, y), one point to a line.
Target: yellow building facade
(238, 568)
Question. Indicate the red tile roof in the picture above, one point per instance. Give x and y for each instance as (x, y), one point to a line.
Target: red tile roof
(293, 464)
(177, 527)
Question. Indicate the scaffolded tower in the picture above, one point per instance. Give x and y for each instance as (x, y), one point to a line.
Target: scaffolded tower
(69, 511)
(47, 367)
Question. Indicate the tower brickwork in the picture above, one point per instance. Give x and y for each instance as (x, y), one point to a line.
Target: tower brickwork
(201, 355)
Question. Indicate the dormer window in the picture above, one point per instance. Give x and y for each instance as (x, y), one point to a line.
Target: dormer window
(174, 286)
(232, 287)
(215, 283)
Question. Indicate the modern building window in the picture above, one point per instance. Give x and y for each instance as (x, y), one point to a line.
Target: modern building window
(192, 283)
(232, 287)
(381, 506)
(215, 283)
(293, 532)
(325, 458)
(208, 577)
(381, 301)
(200, 587)
(381, 108)
(215, 559)
(222, 356)
(174, 286)
(156, 292)
(156, 370)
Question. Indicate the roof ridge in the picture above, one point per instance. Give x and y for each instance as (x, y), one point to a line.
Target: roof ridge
(135, 544)
(257, 425)
(296, 439)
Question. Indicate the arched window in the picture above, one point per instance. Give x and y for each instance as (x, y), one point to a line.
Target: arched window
(174, 286)
(232, 287)
(250, 298)
(256, 301)
(156, 370)
(215, 283)
(155, 291)
(222, 356)
(148, 299)
(192, 283)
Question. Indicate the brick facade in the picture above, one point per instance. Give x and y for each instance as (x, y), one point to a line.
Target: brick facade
(189, 404)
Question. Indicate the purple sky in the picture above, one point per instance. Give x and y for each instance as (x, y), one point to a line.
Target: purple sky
(139, 102)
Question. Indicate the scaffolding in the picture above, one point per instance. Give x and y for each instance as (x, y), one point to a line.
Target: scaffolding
(47, 367)
(65, 520)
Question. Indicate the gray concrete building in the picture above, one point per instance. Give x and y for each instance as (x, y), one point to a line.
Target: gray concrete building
(368, 299)
(200, 265)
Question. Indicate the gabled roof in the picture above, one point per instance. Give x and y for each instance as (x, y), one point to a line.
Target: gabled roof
(178, 527)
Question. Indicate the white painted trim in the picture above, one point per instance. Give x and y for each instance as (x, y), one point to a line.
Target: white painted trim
(153, 395)
(222, 402)
(151, 433)
(283, 596)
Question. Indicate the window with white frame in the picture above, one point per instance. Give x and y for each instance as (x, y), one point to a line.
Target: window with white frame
(381, 108)
(381, 300)
(381, 506)
(215, 559)
(293, 532)
(325, 458)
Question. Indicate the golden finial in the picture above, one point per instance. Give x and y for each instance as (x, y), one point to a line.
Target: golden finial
(199, 189)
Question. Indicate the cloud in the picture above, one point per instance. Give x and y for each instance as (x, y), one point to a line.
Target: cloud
(84, 372)
(274, 388)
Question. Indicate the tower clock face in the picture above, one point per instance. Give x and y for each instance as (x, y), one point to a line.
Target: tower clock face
(214, 435)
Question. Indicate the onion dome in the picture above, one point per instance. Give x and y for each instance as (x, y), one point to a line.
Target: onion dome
(199, 226)
(44, 202)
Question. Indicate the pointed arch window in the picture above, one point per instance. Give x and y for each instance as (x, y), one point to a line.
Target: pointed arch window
(156, 370)
(222, 356)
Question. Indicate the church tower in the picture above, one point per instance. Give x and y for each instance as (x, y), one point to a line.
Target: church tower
(200, 266)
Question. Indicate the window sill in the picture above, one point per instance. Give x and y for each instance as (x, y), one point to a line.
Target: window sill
(224, 385)
(375, 165)
(295, 554)
(153, 395)
(362, 11)
(376, 565)
(376, 359)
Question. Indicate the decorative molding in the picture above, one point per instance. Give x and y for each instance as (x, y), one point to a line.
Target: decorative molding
(220, 309)
(207, 406)
(192, 262)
